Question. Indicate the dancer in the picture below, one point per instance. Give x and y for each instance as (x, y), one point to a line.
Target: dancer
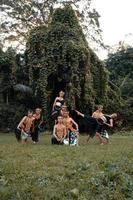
(110, 123)
(59, 132)
(59, 99)
(72, 129)
(104, 120)
(94, 125)
(58, 103)
(37, 122)
(110, 119)
(25, 126)
(98, 113)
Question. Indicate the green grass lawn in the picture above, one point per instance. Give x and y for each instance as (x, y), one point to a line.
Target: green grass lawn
(45, 172)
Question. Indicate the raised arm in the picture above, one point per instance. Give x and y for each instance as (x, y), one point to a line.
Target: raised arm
(79, 113)
(54, 103)
(110, 123)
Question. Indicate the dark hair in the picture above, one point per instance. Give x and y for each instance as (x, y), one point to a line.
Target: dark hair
(30, 111)
(61, 91)
(99, 106)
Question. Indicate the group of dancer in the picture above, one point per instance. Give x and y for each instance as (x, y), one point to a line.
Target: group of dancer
(66, 129)
(98, 123)
(29, 126)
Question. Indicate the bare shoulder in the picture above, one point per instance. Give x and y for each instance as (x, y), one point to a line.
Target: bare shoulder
(24, 117)
(55, 126)
(56, 98)
(70, 118)
(94, 113)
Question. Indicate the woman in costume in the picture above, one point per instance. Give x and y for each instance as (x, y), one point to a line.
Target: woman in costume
(57, 105)
(109, 122)
(94, 126)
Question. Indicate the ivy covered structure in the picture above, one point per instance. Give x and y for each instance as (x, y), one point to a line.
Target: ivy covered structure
(59, 58)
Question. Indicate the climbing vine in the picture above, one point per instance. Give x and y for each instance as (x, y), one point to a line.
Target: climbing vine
(60, 58)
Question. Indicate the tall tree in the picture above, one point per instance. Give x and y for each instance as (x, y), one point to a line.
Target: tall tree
(18, 17)
(14, 98)
(8, 69)
(120, 66)
(58, 57)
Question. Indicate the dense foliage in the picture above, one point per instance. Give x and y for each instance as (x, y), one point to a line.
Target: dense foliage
(120, 66)
(59, 58)
(7, 72)
(12, 71)
(19, 17)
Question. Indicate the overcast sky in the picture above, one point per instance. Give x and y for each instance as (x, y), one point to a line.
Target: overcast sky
(116, 19)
